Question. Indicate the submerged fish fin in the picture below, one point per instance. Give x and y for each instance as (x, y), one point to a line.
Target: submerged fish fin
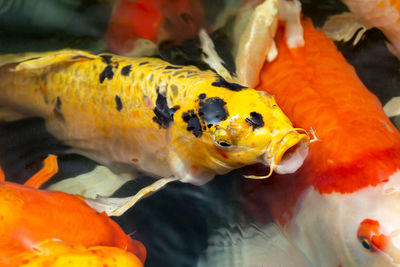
(254, 41)
(343, 27)
(100, 181)
(392, 108)
(50, 168)
(251, 245)
(211, 57)
(32, 61)
(290, 12)
(118, 206)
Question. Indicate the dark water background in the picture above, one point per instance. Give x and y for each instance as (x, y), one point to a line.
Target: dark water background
(173, 224)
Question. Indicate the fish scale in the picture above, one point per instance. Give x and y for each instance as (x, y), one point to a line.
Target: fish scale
(132, 112)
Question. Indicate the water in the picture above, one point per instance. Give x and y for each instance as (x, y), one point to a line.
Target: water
(175, 223)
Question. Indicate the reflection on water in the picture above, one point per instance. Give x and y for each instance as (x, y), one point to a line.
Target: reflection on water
(175, 223)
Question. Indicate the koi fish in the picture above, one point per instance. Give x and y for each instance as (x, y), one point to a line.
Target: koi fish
(146, 114)
(384, 15)
(30, 216)
(341, 207)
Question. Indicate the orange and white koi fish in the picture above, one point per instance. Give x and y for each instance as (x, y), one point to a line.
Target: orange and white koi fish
(383, 14)
(341, 207)
(146, 114)
(30, 216)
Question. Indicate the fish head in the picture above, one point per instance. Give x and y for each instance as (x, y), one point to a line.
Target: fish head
(361, 228)
(242, 128)
(378, 227)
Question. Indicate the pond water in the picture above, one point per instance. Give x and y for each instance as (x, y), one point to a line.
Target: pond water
(175, 223)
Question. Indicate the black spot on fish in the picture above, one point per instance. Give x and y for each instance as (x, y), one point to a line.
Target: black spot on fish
(106, 73)
(106, 59)
(126, 70)
(176, 107)
(193, 123)
(255, 120)
(163, 114)
(221, 82)
(172, 68)
(143, 63)
(202, 96)
(118, 103)
(212, 110)
(57, 109)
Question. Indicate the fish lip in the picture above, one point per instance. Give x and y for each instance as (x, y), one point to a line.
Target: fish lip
(288, 154)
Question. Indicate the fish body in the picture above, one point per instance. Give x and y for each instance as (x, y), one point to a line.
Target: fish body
(341, 207)
(150, 115)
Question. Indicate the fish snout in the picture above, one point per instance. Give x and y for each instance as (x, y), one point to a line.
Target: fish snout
(288, 154)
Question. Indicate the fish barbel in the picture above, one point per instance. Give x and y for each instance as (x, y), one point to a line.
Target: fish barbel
(160, 118)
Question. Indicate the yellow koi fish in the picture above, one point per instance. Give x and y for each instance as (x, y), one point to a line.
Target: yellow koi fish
(163, 119)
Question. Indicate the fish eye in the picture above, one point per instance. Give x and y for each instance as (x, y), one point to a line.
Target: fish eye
(221, 138)
(366, 243)
(223, 143)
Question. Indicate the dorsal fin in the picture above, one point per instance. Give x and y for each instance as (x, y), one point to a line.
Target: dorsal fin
(32, 60)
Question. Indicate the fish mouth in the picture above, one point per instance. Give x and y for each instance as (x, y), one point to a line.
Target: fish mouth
(288, 154)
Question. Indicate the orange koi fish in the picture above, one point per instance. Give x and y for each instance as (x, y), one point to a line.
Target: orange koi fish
(341, 208)
(29, 216)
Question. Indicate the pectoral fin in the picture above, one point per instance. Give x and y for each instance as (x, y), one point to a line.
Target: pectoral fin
(118, 206)
(344, 27)
(187, 171)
